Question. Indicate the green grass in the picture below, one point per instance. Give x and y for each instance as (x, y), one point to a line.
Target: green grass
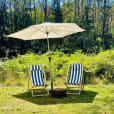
(95, 99)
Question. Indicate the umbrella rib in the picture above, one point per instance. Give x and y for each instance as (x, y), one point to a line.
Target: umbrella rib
(32, 33)
(42, 30)
(36, 31)
(52, 29)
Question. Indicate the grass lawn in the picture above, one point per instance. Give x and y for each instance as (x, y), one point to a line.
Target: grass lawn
(95, 99)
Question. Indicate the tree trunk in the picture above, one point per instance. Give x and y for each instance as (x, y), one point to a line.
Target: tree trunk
(104, 20)
(82, 9)
(75, 11)
(98, 16)
(78, 10)
(35, 12)
(30, 10)
(82, 4)
(45, 11)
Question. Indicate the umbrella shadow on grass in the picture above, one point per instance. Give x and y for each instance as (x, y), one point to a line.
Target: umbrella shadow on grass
(84, 97)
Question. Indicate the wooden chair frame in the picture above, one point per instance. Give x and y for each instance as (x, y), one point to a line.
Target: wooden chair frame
(32, 86)
(80, 86)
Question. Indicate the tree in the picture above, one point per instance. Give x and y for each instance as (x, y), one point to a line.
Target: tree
(75, 14)
(96, 16)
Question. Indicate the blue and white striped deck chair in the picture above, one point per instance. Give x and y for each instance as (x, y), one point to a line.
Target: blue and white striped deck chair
(75, 79)
(38, 78)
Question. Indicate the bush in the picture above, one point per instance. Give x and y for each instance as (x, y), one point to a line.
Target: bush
(100, 66)
(105, 81)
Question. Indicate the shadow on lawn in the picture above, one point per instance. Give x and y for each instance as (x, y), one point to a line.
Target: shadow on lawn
(85, 97)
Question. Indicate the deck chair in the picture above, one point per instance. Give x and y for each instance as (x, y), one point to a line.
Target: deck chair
(75, 79)
(38, 79)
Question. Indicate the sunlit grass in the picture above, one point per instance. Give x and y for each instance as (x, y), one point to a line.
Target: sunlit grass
(95, 99)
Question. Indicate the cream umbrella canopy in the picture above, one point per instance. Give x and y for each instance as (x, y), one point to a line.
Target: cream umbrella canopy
(40, 31)
(47, 30)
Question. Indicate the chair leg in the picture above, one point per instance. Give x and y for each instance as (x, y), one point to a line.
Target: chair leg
(33, 95)
(78, 93)
(32, 92)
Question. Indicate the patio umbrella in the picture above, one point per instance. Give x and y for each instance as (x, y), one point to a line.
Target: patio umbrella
(45, 31)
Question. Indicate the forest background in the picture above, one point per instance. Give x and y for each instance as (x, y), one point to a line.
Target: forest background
(95, 16)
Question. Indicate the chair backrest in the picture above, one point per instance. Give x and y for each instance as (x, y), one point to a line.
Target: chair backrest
(37, 75)
(75, 76)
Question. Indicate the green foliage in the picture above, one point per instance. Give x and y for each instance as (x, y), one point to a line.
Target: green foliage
(95, 66)
(105, 81)
(91, 15)
(97, 80)
(68, 12)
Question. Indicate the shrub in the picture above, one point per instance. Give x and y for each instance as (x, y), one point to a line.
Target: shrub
(100, 66)
(105, 81)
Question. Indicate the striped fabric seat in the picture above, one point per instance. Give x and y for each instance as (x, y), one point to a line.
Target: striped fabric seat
(75, 74)
(37, 75)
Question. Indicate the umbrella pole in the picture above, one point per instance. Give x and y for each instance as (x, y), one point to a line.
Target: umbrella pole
(50, 63)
